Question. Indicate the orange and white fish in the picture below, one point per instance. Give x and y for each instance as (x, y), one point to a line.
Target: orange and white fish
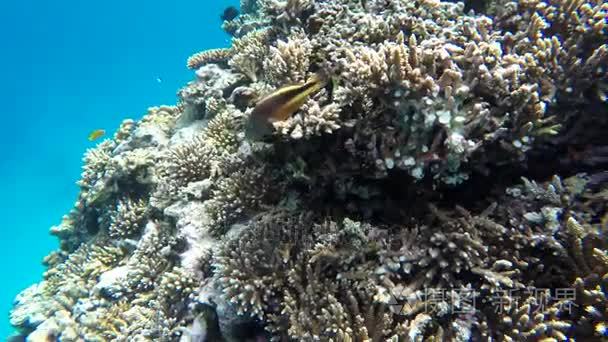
(96, 134)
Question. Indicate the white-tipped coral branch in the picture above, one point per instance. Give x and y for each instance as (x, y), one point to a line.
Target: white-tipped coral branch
(351, 171)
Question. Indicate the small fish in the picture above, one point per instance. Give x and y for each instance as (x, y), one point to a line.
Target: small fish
(229, 13)
(280, 105)
(159, 80)
(96, 134)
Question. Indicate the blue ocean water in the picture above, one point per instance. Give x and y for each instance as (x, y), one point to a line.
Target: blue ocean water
(69, 67)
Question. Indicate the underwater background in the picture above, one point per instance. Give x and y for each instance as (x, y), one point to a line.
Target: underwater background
(333, 170)
(68, 68)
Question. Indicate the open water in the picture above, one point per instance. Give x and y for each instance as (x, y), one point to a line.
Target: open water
(67, 68)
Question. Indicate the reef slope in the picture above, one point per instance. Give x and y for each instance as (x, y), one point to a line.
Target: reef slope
(449, 184)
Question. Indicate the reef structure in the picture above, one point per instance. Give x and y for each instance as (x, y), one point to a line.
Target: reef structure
(449, 184)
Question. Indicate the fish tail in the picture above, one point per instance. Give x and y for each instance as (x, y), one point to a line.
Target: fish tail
(317, 81)
(321, 77)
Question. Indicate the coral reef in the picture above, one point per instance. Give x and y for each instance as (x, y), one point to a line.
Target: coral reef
(450, 183)
(207, 57)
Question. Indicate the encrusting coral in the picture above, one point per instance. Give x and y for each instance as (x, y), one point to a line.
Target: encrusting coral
(449, 183)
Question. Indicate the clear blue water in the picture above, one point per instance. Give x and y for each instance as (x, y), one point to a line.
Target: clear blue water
(69, 67)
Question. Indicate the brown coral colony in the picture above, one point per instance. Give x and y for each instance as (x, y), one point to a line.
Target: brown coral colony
(450, 184)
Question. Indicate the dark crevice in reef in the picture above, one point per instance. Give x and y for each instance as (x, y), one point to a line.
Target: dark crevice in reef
(404, 201)
(478, 6)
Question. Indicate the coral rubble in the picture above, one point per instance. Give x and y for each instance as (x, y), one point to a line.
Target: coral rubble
(448, 184)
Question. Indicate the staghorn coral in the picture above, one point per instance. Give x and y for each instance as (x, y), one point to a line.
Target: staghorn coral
(200, 158)
(234, 197)
(390, 206)
(311, 273)
(455, 249)
(151, 315)
(313, 265)
(428, 91)
(182, 165)
(208, 56)
(222, 129)
(128, 218)
(124, 131)
(289, 60)
(174, 289)
(268, 262)
(84, 296)
(150, 259)
(583, 301)
(249, 51)
(588, 307)
(432, 72)
(95, 162)
(285, 12)
(109, 167)
(51, 306)
(525, 321)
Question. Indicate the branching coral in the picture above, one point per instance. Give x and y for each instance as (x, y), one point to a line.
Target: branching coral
(235, 196)
(453, 251)
(95, 162)
(574, 247)
(249, 51)
(249, 20)
(52, 305)
(389, 206)
(550, 314)
(588, 306)
(128, 218)
(221, 132)
(174, 288)
(124, 131)
(439, 83)
(162, 117)
(285, 12)
(205, 93)
(311, 273)
(107, 168)
(85, 297)
(152, 315)
(289, 60)
(314, 119)
(208, 56)
(183, 164)
(437, 114)
(278, 257)
(312, 265)
(110, 167)
(200, 158)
